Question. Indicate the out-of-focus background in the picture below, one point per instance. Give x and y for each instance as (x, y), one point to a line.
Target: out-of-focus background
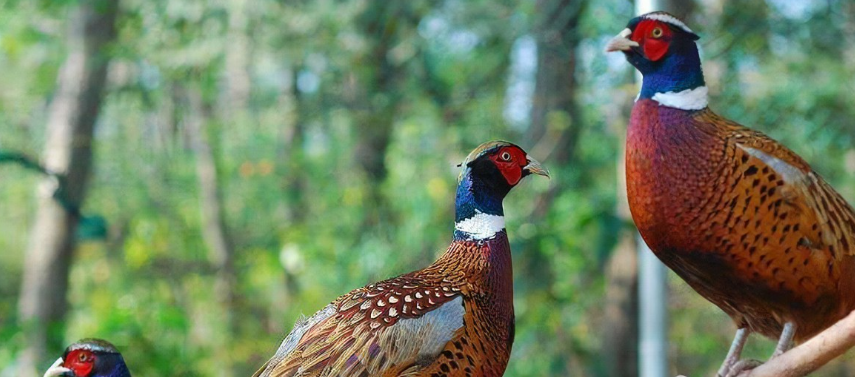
(252, 160)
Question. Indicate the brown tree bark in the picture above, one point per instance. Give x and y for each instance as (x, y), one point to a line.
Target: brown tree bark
(214, 231)
(68, 153)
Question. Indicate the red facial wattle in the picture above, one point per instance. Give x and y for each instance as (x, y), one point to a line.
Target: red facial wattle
(512, 166)
(654, 37)
(80, 362)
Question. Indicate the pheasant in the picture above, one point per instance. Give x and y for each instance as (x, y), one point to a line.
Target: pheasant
(742, 219)
(453, 318)
(89, 358)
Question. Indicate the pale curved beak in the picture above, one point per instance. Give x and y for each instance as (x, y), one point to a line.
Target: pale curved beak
(621, 42)
(534, 167)
(57, 370)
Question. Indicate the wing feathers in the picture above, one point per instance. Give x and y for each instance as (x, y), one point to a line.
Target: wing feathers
(389, 328)
(826, 220)
(290, 342)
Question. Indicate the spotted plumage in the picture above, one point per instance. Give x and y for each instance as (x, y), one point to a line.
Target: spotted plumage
(741, 218)
(89, 358)
(453, 318)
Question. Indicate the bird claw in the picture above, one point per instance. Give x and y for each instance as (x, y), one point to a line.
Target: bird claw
(742, 366)
(728, 365)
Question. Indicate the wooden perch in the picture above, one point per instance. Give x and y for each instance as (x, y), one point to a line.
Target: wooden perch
(810, 355)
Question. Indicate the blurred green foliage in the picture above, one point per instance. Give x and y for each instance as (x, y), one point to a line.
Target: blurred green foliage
(308, 223)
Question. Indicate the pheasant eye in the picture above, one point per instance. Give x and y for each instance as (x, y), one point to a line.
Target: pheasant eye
(506, 156)
(82, 357)
(657, 32)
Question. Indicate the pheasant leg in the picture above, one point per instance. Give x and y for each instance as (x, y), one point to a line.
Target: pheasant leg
(735, 351)
(785, 342)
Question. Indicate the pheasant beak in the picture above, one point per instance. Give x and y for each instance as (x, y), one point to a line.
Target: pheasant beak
(57, 370)
(620, 42)
(534, 167)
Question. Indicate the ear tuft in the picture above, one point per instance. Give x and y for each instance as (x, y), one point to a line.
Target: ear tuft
(694, 36)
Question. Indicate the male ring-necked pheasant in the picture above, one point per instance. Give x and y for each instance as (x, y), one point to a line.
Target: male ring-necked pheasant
(453, 318)
(89, 358)
(741, 218)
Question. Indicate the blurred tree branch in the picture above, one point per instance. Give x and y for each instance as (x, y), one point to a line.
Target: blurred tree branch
(25, 161)
(59, 183)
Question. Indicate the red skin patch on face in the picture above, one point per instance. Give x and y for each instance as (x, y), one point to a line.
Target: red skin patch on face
(510, 161)
(80, 362)
(654, 38)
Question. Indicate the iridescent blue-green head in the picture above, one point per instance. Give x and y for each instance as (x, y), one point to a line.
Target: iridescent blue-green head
(90, 358)
(665, 51)
(489, 172)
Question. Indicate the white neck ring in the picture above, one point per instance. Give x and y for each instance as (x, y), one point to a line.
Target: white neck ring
(689, 99)
(481, 226)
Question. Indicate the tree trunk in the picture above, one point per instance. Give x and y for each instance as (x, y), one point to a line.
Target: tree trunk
(554, 105)
(292, 136)
(848, 47)
(620, 342)
(68, 153)
(238, 44)
(375, 99)
(290, 150)
(620, 322)
(554, 116)
(554, 128)
(214, 232)
(620, 348)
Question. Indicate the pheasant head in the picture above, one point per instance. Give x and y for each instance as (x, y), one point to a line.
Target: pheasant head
(663, 49)
(89, 358)
(489, 173)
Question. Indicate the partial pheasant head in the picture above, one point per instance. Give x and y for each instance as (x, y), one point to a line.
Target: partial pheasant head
(663, 49)
(89, 358)
(489, 172)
